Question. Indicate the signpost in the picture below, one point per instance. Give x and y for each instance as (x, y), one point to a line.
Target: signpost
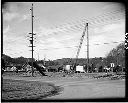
(112, 66)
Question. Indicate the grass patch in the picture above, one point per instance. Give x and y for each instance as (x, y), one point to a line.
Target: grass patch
(26, 90)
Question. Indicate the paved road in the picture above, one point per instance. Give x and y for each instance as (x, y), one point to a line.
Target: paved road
(82, 88)
(91, 89)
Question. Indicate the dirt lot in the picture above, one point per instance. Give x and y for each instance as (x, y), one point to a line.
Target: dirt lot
(81, 85)
(27, 90)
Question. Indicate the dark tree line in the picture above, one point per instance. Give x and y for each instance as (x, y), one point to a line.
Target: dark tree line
(116, 56)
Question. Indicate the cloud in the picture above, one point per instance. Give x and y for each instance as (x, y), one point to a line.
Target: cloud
(97, 48)
(13, 39)
(14, 44)
(15, 10)
(60, 29)
(109, 28)
(50, 43)
(113, 6)
(56, 46)
(10, 16)
(59, 36)
(53, 48)
(24, 17)
(48, 36)
(6, 30)
(45, 31)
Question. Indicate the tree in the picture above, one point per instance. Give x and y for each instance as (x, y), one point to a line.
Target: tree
(117, 55)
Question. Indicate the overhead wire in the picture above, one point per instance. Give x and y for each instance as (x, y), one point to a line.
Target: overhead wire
(96, 18)
(64, 29)
(76, 26)
(95, 21)
(111, 18)
(106, 43)
(94, 26)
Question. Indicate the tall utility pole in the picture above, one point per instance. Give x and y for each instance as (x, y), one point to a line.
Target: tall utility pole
(38, 56)
(44, 59)
(87, 48)
(31, 40)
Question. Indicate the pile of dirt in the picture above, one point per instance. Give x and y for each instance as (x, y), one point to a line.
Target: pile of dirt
(111, 76)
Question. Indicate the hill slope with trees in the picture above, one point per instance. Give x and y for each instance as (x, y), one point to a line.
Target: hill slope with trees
(116, 56)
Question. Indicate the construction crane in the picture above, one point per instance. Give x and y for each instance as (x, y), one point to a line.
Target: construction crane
(80, 44)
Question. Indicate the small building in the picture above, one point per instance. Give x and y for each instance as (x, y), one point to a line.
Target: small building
(67, 67)
(80, 69)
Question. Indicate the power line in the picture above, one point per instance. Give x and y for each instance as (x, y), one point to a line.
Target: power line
(97, 17)
(79, 27)
(75, 47)
(92, 25)
(97, 44)
(64, 29)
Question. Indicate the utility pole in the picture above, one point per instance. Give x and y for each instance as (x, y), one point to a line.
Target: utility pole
(38, 56)
(44, 59)
(31, 38)
(87, 48)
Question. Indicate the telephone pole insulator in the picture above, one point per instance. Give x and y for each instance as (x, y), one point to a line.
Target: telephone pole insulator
(31, 46)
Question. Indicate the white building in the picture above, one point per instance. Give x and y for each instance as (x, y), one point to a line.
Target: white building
(67, 67)
(80, 68)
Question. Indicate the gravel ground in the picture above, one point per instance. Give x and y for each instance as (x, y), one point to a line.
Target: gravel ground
(26, 90)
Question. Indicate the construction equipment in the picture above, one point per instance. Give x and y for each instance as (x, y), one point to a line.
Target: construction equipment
(79, 47)
(35, 65)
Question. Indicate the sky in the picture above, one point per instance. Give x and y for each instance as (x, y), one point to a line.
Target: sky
(59, 27)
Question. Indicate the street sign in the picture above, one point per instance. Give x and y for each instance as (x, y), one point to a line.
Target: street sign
(112, 64)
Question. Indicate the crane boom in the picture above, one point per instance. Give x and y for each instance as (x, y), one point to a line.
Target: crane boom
(81, 41)
(79, 47)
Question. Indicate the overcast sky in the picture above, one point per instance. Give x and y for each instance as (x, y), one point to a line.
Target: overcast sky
(59, 27)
